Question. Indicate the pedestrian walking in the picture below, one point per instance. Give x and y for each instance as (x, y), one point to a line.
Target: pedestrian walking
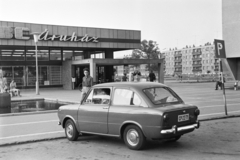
(87, 83)
(152, 76)
(219, 83)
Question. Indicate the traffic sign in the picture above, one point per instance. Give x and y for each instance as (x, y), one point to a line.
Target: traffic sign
(219, 48)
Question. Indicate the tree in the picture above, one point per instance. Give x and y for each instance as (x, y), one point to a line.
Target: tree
(149, 50)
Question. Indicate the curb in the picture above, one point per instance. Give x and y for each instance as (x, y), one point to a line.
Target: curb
(56, 138)
(31, 141)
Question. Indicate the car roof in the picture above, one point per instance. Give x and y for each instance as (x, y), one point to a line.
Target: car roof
(139, 85)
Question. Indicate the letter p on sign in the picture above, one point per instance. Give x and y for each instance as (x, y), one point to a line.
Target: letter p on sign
(219, 49)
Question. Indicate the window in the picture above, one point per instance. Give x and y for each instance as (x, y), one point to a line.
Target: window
(126, 97)
(43, 55)
(98, 96)
(161, 95)
(67, 55)
(12, 55)
(55, 54)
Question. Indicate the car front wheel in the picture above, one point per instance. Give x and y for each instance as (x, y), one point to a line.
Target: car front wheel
(134, 138)
(71, 131)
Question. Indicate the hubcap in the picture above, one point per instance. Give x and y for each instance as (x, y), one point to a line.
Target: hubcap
(132, 137)
(69, 131)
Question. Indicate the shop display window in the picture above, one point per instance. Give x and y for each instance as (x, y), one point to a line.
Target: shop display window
(43, 55)
(47, 75)
(12, 55)
(78, 55)
(19, 75)
(67, 55)
(55, 54)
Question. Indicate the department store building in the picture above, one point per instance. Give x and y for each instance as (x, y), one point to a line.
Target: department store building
(63, 53)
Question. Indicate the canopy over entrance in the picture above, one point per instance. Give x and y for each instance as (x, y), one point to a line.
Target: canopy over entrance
(93, 63)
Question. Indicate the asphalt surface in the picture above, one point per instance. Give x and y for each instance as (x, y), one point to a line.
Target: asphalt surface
(215, 140)
(31, 127)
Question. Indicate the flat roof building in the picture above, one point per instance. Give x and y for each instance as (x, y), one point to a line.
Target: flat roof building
(63, 52)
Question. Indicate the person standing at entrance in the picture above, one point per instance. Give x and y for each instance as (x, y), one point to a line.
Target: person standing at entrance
(152, 76)
(87, 82)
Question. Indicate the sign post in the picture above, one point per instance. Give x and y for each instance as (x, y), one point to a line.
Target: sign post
(220, 53)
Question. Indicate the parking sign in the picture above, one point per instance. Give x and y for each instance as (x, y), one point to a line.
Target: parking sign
(219, 48)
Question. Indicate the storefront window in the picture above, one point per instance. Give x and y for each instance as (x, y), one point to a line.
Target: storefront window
(18, 75)
(31, 76)
(12, 55)
(43, 55)
(44, 76)
(55, 54)
(78, 55)
(67, 55)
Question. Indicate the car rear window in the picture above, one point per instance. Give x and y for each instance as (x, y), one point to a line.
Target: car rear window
(162, 95)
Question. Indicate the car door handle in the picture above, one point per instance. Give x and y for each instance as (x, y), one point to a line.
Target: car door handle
(105, 107)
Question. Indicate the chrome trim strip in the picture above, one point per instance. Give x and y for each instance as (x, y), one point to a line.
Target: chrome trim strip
(175, 129)
(101, 134)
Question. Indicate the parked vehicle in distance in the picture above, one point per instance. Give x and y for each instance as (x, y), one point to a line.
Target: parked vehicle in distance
(133, 111)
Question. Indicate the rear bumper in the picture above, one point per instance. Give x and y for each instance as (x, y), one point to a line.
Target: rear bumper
(175, 129)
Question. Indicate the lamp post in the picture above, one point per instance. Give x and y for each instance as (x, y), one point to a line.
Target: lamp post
(35, 36)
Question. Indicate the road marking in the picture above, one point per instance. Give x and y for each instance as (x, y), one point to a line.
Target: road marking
(15, 124)
(204, 115)
(28, 135)
(210, 100)
(221, 105)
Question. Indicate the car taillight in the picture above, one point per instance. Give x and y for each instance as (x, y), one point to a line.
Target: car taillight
(165, 117)
(197, 112)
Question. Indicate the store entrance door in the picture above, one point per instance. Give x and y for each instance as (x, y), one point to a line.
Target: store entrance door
(101, 74)
(78, 70)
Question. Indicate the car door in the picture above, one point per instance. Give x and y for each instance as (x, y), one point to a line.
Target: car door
(125, 106)
(93, 112)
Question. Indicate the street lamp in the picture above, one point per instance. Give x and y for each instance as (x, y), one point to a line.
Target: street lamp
(35, 36)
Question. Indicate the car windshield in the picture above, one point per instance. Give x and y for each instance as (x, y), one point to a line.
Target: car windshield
(162, 95)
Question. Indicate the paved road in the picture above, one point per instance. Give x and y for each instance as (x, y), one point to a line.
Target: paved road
(15, 129)
(215, 140)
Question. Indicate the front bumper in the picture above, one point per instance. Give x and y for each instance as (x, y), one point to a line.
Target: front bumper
(175, 129)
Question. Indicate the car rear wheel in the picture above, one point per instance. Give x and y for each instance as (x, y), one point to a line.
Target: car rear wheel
(71, 131)
(134, 138)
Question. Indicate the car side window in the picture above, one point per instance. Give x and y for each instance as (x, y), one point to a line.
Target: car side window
(98, 96)
(125, 97)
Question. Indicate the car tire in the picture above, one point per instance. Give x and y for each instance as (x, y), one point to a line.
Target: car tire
(71, 131)
(134, 138)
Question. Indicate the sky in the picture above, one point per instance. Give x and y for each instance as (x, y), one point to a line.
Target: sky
(171, 23)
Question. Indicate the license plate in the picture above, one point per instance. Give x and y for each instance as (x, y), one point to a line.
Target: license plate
(183, 117)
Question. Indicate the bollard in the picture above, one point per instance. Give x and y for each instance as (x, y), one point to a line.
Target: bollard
(236, 86)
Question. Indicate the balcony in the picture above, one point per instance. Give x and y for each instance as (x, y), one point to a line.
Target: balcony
(196, 53)
(197, 70)
(178, 55)
(197, 65)
(197, 59)
(178, 66)
(177, 60)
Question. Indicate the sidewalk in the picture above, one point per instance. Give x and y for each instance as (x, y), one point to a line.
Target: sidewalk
(60, 95)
